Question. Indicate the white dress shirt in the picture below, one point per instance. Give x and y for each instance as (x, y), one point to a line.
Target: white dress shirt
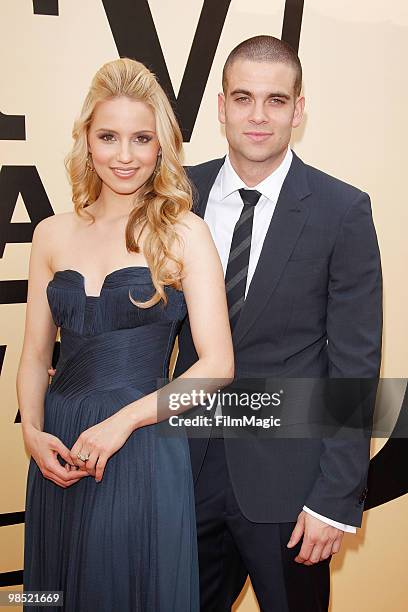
(223, 210)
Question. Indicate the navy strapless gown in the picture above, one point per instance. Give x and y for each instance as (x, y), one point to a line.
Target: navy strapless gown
(127, 543)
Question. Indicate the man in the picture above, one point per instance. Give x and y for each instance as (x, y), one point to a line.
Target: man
(303, 282)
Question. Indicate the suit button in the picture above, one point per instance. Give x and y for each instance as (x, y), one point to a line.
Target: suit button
(363, 496)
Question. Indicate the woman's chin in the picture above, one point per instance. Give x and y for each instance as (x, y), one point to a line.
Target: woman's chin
(125, 190)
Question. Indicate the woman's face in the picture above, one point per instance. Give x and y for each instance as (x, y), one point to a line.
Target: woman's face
(123, 143)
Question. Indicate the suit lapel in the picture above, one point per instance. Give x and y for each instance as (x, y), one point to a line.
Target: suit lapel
(203, 183)
(288, 220)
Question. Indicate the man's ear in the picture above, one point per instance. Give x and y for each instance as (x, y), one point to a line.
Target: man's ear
(221, 108)
(299, 110)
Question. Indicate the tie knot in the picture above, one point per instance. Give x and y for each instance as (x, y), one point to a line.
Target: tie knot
(250, 196)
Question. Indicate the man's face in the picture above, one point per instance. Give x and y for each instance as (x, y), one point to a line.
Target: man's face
(259, 109)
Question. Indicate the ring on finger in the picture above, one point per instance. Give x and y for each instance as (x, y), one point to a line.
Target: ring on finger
(83, 457)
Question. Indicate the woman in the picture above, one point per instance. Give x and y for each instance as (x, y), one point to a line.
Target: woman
(109, 509)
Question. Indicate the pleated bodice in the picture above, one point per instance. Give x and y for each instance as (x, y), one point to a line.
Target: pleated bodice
(108, 342)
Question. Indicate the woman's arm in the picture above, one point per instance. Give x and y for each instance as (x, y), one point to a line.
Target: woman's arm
(32, 376)
(39, 335)
(204, 290)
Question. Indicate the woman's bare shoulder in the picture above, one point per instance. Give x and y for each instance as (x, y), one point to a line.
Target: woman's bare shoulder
(191, 226)
(49, 225)
(196, 239)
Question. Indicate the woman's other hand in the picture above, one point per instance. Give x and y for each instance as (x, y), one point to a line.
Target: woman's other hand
(100, 442)
(44, 448)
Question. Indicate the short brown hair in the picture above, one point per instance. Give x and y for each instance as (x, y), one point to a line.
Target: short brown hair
(265, 49)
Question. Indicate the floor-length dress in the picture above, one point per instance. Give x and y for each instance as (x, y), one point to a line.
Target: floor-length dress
(127, 543)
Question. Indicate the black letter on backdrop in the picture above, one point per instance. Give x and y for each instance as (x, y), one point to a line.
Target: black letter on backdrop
(12, 127)
(292, 22)
(2, 353)
(45, 7)
(142, 43)
(13, 181)
(13, 291)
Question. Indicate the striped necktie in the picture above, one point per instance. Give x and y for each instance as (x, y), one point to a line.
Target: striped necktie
(238, 260)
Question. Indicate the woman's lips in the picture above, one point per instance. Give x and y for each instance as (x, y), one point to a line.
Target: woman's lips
(258, 136)
(123, 174)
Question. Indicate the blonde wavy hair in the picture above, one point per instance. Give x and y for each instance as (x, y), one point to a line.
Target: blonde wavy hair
(165, 196)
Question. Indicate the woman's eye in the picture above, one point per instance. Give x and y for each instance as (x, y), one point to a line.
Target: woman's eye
(106, 137)
(143, 139)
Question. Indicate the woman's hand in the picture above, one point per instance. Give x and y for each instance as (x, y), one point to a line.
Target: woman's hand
(44, 448)
(100, 442)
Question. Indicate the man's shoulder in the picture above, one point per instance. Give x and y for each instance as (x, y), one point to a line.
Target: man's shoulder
(204, 170)
(328, 185)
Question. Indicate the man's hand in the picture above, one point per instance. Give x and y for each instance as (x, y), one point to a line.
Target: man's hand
(320, 540)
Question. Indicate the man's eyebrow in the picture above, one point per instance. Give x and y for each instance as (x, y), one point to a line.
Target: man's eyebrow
(245, 92)
(279, 94)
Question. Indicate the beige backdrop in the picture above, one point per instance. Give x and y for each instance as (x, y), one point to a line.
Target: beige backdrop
(354, 56)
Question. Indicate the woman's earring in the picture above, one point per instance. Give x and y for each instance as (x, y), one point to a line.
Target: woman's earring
(158, 164)
(89, 162)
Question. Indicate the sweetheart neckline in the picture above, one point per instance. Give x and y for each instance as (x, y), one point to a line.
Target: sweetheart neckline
(104, 280)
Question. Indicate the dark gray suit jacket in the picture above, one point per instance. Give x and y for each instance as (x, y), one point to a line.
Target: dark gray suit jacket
(313, 309)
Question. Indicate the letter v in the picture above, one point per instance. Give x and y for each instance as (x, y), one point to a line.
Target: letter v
(135, 36)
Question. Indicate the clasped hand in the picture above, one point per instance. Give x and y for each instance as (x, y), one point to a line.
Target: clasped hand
(100, 442)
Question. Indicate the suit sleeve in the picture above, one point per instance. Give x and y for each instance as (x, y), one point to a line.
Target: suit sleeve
(354, 330)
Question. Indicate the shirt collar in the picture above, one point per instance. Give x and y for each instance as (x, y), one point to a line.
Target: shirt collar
(269, 187)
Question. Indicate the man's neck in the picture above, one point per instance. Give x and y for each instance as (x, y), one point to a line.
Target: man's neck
(254, 172)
